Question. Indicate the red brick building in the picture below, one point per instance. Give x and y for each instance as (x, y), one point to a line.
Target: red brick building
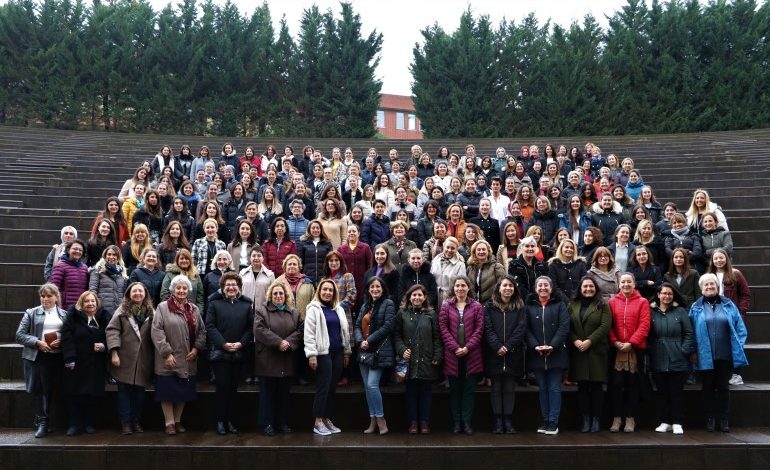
(396, 118)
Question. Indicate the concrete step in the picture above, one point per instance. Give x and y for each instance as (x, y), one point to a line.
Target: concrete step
(23, 253)
(21, 273)
(47, 222)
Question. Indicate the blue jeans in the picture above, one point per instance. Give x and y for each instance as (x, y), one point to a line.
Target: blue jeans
(130, 402)
(549, 383)
(371, 377)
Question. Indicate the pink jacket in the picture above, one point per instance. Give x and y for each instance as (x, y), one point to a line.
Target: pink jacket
(448, 322)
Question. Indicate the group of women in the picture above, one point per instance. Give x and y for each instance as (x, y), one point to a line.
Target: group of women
(548, 279)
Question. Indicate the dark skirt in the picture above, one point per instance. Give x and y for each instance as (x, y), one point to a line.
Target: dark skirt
(174, 389)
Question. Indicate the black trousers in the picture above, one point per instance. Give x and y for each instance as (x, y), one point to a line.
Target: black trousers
(81, 410)
(328, 373)
(47, 369)
(624, 390)
(590, 398)
(274, 400)
(716, 389)
(228, 375)
(503, 396)
(670, 396)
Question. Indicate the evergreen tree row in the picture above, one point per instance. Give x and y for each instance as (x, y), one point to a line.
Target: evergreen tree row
(671, 67)
(190, 69)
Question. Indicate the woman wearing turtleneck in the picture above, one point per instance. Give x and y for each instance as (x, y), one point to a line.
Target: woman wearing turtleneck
(327, 348)
(131, 349)
(277, 335)
(39, 333)
(720, 335)
(83, 348)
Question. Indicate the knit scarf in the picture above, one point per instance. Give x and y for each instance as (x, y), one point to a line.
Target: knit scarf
(138, 312)
(295, 280)
(187, 310)
(680, 234)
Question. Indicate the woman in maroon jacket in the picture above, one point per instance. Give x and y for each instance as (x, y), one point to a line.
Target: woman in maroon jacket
(358, 259)
(628, 335)
(278, 247)
(461, 321)
(71, 274)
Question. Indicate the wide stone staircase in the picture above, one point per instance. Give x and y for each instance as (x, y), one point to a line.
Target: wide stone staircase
(54, 178)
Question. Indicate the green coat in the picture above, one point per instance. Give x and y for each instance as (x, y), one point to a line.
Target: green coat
(592, 364)
(671, 339)
(425, 343)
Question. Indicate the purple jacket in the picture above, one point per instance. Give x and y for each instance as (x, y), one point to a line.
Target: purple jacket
(71, 279)
(448, 322)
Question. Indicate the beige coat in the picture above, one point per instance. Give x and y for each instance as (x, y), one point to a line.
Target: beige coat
(170, 336)
(336, 229)
(134, 346)
(299, 300)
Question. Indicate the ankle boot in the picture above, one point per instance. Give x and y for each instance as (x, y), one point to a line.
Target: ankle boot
(586, 424)
(383, 425)
(616, 422)
(724, 425)
(372, 426)
(498, 427)
(630, 424)
(41, 427)
(508, 425)
(595, 424)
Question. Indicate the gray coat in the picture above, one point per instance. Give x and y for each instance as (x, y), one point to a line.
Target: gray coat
(134, 346)
(30, 330)
(108, 287)
(271, 326)
(170, 336)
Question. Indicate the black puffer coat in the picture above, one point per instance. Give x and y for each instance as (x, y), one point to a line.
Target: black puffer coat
(504, 328)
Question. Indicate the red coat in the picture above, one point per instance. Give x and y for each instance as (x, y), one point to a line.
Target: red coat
(739, 292)
(630, 319)
(448, 322)
(275, 254)
(357, 262)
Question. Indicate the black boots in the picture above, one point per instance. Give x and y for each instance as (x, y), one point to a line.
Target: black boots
(586, 424)
(498, 427)
(41, 427)
(508, 425)
(595, 424)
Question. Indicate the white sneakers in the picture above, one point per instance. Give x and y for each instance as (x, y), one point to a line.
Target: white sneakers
(321, 430)
(736, 380)
(665, 427)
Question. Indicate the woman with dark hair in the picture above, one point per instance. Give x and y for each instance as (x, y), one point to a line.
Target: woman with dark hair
(234, 207)
(506, 252)
(277, 336)
(714, 237)
(83, 348)
(150, 274)
(103, 236)
(671, 343)
(229, 328)
(334, 268)
(590, 321)
(505, 328)
(484, 271)
(374, 326)
(141, 176)
(461, 320)
(732, 283)
(547, 334)
(239, 248)
(108, 279)
(278, 246)
(132, 205)
(131, 354)
(645, 236)
(593, 238)
(39, 332)
(331, 215)
(183, 264)
(358, 259)
(720, 336)
(646, 275)
(151, 215)
(173, 240)
(70, 275)
(682, 236)
(181, 213)
(628, 336)
(384, 268)
(211, 210)
(418, 342)
(605, 273)
(684, 278)
(312, 249)
(327, 347)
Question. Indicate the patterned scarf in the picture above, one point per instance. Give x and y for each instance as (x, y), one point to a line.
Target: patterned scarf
(187, 310)
(295, 280)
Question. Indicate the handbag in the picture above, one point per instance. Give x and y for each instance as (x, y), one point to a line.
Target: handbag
(370, 359)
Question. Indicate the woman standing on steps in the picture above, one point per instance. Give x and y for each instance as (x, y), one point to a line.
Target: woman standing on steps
(374, 326)
(39, 332)
(70, 275)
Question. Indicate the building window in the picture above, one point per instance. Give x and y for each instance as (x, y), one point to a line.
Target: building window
(400, 121)
(381, 119)
(412, 122)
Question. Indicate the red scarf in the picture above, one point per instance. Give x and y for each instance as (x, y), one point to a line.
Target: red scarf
(187, 310)
(295, 280)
